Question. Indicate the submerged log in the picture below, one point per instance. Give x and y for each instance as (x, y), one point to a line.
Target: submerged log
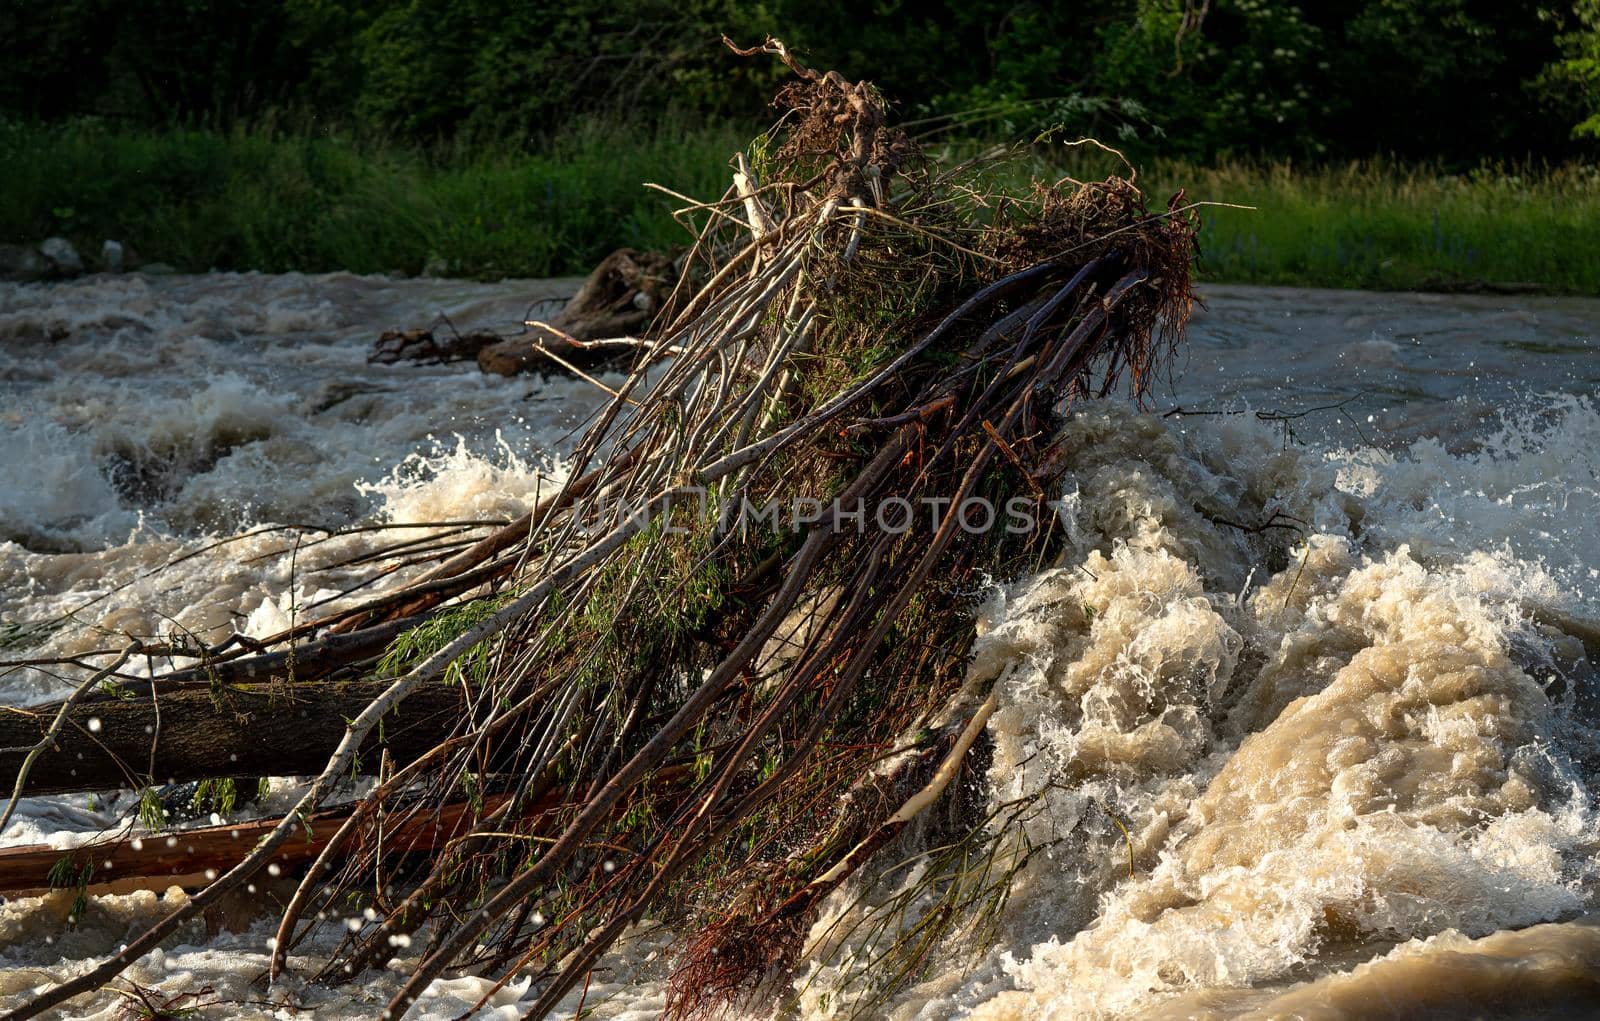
(230, 732)
(426, 347)
(193, 857)
(619, 298)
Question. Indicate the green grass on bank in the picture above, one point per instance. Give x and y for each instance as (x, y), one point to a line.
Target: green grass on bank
(198, 201)
(1379, 226)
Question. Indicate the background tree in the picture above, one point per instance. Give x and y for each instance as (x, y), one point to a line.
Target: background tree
(1452, 80)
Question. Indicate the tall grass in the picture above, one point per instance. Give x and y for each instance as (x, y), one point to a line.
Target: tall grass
(1387, 227)
(250, 201)
(247, 201)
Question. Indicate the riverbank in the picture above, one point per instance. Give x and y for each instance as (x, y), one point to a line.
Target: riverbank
(197, 201)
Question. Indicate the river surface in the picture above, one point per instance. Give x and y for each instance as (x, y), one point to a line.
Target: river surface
(1324, 646)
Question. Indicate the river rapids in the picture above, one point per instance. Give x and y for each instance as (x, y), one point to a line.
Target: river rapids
(1305, 721)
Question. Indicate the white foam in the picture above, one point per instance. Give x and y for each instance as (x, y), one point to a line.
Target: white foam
(52, 491)
(1343, 752)
(455, 484)
(1309, 681)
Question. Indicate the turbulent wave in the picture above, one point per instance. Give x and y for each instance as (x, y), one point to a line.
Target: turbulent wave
(204, 405)
(1293, 729)
(1381, 741)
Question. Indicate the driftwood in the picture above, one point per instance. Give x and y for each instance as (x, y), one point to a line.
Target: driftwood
(192, 857)
(616, 302)
(858, 326)
(305, 661)
(426, 347)
(200, 733)
(618, 299)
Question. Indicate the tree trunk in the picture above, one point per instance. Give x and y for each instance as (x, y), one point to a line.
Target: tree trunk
(183, 857)
(194, 734)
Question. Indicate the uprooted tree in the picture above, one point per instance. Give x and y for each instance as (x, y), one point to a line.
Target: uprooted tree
(666, 701)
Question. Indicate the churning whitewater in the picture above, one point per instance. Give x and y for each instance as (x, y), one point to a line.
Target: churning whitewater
(1303, 724)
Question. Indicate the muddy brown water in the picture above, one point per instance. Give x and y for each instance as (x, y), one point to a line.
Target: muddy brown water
(1356, 763)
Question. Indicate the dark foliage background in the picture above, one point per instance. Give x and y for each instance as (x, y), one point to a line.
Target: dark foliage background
(1449, 80)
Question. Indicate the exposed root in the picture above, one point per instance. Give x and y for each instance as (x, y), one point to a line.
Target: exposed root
(682, 705)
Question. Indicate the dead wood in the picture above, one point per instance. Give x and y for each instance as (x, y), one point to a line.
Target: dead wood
(305, 661)
(426, 347)
(860, 325)
(618, 300)
(114, 743)
(192, 857)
